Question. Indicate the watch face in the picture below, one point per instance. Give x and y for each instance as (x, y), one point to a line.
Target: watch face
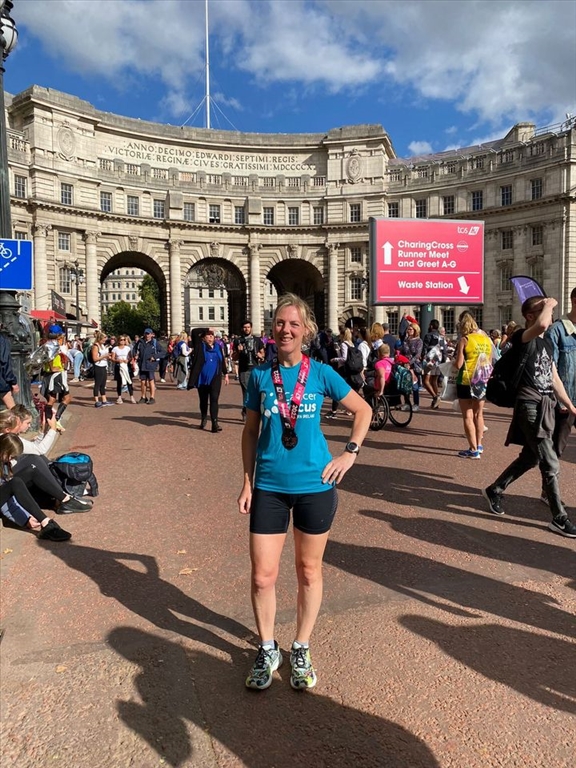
(352, 447)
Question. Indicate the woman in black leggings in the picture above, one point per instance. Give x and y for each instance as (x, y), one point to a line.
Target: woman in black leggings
(207, 370)
(14, 486)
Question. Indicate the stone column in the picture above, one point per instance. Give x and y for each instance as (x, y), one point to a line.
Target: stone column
(333, 285)
(175, 287)
(92, 280)
(41, 291)
(378, 314)
(255, 289)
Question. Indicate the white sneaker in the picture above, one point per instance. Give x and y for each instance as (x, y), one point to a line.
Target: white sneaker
(163, 381)
(119, 401)
(415, 408)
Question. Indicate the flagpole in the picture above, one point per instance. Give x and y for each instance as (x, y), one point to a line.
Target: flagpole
(207, 69)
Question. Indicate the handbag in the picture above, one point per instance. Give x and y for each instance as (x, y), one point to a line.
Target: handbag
(450, 375)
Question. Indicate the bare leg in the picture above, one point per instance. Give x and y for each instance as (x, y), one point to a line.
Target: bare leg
(467, 408)
(265, 553)
(309, 551)
(478, 407)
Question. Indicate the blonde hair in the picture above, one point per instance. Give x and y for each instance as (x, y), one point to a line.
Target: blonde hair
(8, 420)
(99, 337)
(347, 335)
(376, 332)
(183, 336)
(467, 324)
(306, 314)
(415, 327)
(383, 351)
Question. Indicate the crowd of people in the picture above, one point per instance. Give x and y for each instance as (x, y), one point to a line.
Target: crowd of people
(288, 469)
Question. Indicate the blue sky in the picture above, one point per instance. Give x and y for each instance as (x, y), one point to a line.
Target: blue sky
(436, 74)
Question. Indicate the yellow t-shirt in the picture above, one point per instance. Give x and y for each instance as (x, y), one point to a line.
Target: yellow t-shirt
(476, 344)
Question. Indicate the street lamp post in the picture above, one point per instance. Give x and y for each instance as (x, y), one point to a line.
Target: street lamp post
(14, 325)
(77, 276)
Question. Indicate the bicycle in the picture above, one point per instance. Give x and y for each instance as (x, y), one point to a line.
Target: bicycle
(6, 253)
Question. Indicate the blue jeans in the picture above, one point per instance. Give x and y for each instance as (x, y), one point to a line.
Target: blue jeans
(78, 358)
(537, 451)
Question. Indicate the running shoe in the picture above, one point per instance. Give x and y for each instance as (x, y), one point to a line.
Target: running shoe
(267, 662)
(107, 403)
(303, 675)
(415, 408)
(563, 526)
(150, 401)
(98, 404)
(480, 449)
(331, 415)
(469, 454)
(494, 501)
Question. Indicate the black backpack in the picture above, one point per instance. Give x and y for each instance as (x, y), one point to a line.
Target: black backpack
(74, 471)
(502, 386)
(354, 362)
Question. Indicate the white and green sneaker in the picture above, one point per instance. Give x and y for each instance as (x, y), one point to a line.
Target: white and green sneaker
(303, 674)
(267, 662)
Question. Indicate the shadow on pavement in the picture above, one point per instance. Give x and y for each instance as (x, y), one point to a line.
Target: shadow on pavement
(278, 727)
(432, 582)
(535, 665)
(144, 593)
(478, 541)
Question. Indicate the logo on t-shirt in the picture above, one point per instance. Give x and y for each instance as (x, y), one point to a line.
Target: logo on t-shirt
(307, 409)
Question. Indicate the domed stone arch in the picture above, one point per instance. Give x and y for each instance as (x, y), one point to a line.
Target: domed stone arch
(139, 260)
(302, 277)
(354, 317)
(215, 273)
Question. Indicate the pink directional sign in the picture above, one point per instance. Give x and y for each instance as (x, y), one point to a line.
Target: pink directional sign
(426, 261)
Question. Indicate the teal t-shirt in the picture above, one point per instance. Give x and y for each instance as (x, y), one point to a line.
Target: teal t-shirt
(299, 470)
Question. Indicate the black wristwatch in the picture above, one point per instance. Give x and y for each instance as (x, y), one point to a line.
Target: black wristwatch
(352, 448)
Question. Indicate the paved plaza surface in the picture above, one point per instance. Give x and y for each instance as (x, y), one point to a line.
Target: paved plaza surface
(446, 638)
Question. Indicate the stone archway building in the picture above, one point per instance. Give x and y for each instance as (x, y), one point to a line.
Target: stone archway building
(109, 191)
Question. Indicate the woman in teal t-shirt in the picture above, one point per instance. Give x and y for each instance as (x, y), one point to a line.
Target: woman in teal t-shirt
(288, 468)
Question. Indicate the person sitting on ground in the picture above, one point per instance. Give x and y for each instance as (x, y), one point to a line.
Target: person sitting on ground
(14, 486)
(21, 423)
(122, 357)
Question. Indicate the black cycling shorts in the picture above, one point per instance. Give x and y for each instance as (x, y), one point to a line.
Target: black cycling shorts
(312, 512)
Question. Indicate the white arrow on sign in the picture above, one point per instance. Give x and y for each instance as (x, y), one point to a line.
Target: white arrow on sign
(464, 287)
(387, 248)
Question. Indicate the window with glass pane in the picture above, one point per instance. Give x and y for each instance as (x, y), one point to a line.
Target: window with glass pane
(537, 270)
(200, 313)
(211, 313)
(221, 313)
(355, 212)
(507, 239)
(393, 323)
(293, 216)
(318, 215)
(506, 194)
(478, 163)
(221, 293)
(477, 200)
(393, 210)
(505, 315)
(189, 212)
(214, 214)
(20, 186)
(64, 280)
(268, 216)
(239, 214)
(449, 320)
(478, 313)
(200, 293)
(106, 202)
(355, 289)
(505, 275)
(19, 235)
(448, 204)
(536, 188)
(356, 255)
(421, 209)
(210, 293)
(63, 241)
(132, 205)
(66, 194)
(158, 209)
(537, 234)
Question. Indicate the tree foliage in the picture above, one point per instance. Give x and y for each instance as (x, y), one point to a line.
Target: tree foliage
(123, 318)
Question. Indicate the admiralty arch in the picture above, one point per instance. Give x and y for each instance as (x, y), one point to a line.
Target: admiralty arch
(244, 214)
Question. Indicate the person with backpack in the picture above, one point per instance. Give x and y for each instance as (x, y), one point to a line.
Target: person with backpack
(533, 422)
(147, 355)
(433, 354)
(344, 349)
(412, 349)
(473, 354)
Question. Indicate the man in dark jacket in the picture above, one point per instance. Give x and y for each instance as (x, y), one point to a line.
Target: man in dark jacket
(147, 356)
(8, 382)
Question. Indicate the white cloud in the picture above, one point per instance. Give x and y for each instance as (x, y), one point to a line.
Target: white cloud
(503, 60)
(420, 148)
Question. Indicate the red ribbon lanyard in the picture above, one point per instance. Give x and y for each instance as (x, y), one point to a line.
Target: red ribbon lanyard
(290, 414)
